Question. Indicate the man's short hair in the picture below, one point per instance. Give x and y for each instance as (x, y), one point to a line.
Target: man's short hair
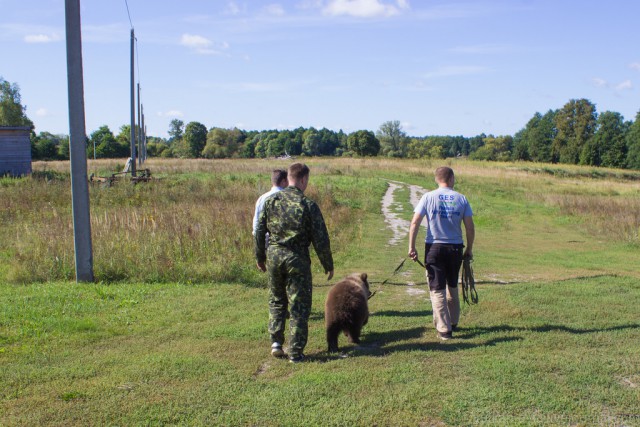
(297, 171)
(277, 176)
(444, 174)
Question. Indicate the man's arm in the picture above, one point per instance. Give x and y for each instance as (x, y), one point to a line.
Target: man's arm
(259, 240)
(413, 234)
(470, 230)
(320, 239)
(256, 214)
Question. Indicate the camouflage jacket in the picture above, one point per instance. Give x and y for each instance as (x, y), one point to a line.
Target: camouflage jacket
(293, 221)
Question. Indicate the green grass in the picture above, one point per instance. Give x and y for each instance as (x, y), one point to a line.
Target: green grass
(558, 347)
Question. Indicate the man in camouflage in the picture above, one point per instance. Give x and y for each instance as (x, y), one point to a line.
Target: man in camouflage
(293, 222)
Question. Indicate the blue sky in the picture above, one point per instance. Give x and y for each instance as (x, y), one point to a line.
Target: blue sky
(439, 67)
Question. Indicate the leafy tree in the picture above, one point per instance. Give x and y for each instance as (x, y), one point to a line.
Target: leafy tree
(607, 147)
(276, 143)
(474, 143)
(261, 146)
(106, 145)
(156, 146)
(575, 124)
(633, 144)
(12, 112)
(535, 140)
(429, 147)
(363, 143)
(393, 140)
(418, 148)
(222, 143)
(124, 137)
(176, 129)
(63, 148)
(180, 149)
(520, 145)
(342, 142)
(494, 148)
(295, 142)
(195, 137)
(45, 145)
(329, 142)
(311, 144)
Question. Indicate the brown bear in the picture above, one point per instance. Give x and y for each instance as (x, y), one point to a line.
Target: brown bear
(347, 309)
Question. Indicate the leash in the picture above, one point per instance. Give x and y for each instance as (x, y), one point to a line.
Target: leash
(388, 278)
(469, 293)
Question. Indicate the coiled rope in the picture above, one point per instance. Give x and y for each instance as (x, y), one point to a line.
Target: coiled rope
(469, 293)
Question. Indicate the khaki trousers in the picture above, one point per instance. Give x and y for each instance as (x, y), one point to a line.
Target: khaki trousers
(446, 308)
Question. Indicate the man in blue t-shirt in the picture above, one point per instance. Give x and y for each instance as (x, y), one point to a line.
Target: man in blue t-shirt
(445, 210)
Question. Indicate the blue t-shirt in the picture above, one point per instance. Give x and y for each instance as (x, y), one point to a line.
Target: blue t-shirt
(444, 209)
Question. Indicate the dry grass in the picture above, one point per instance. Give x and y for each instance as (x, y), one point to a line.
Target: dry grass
(191, 225)
(609, 217)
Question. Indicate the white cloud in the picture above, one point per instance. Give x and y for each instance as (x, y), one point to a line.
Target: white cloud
(455, 71)
(407, 126)
(202, 45)
(233, 8)
(170, 113)
(365, 8)
(635, 66)
(598, 82)
(625, 85)
(275, 9)
(42, 112)
(193, 41)
(42, 38)
(309, 4)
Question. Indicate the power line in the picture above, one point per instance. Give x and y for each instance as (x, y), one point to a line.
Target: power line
(129, 14)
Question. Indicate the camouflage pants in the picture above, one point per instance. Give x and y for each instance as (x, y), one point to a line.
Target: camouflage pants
(289, 294)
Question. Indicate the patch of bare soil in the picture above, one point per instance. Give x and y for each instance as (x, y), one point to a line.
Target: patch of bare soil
(261, 369)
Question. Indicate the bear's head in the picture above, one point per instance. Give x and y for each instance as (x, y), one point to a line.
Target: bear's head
(364, 283)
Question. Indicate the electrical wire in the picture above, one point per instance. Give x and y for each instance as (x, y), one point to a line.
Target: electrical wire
(128, 14)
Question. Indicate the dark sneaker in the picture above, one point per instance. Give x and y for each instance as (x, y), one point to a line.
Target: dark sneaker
(444, 336)
(454, 327)
(276, 350)
(297, 359)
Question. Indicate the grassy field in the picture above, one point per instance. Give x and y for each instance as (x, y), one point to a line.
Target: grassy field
(174, 332)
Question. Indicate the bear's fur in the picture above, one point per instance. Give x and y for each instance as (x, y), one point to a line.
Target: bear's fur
(347, 309)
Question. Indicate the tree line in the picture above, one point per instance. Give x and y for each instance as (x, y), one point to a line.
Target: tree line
(573, 134)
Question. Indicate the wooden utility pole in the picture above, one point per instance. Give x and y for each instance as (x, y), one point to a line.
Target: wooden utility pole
(77, 145)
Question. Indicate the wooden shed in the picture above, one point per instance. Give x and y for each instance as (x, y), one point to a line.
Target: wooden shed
(15, 151)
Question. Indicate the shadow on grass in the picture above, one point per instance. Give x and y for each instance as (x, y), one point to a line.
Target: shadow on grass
(448, 346)
(396, 313)
(380, 344)
(475, 332)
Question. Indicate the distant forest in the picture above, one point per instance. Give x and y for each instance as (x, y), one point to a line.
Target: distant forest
(573, 134)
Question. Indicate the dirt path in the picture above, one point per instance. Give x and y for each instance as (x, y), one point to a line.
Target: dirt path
(391, 210)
